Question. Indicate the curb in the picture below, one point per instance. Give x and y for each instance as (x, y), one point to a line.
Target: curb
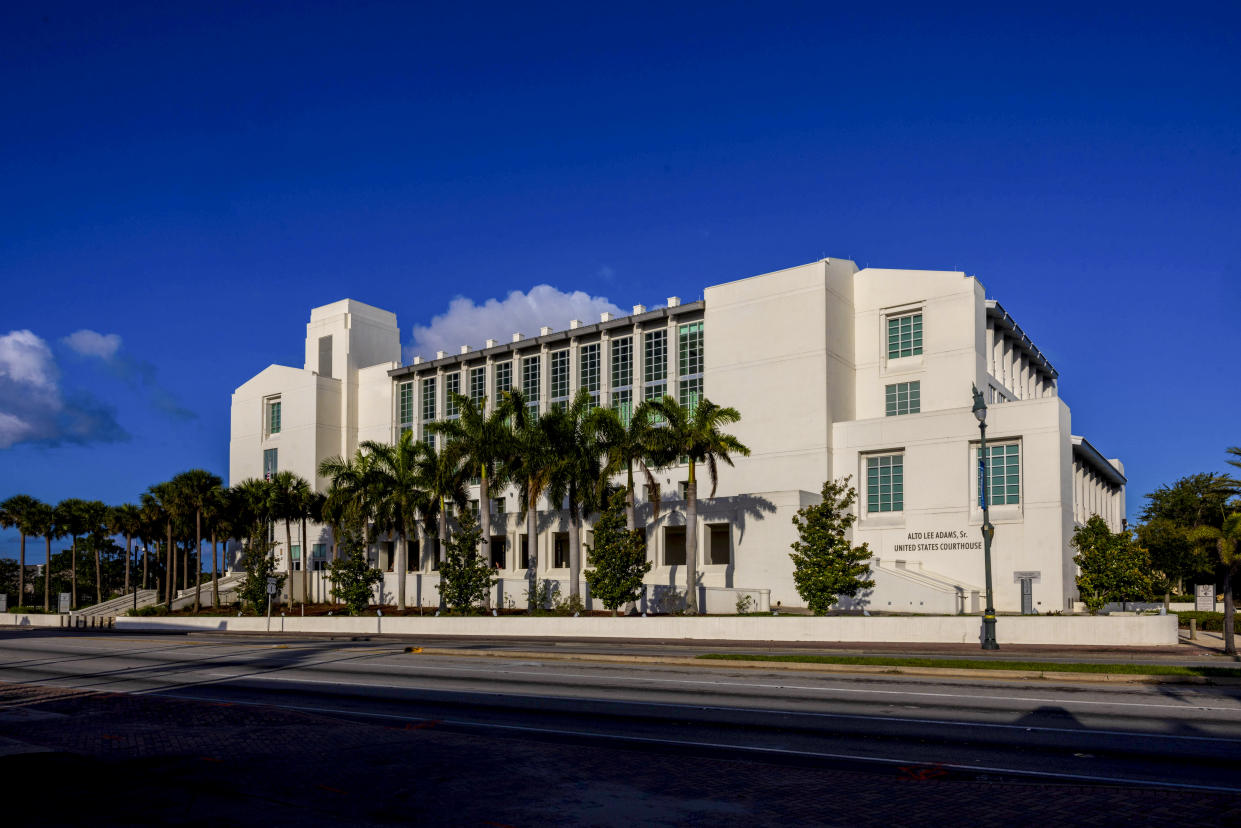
(863, 669)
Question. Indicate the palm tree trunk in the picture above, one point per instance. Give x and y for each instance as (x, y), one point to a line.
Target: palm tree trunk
(129, 551)
(631, 509)
(575, 544)
(73, 573)
(47, 576)
(484, 516)
(402, 566)
(288, 556)
(532, 549)
(172, 560)
(146, 562)
(21, 575)
(98, 577)
(305, 566)
(185, 565)
(1230, 613)
(691, 543)
(215, 576)
(198, 570)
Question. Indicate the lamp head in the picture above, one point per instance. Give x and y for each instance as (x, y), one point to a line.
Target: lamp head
(980, 406)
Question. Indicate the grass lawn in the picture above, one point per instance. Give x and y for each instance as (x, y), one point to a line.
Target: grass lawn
(980, 664)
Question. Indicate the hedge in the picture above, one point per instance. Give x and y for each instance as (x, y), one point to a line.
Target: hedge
(1212, 621)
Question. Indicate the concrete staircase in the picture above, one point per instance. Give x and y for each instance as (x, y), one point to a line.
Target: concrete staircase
(229, 585)
(911, 588)
(117, 606)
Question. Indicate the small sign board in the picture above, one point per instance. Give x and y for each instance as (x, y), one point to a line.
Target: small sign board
(1204, 597)
(271, 586)
(63, 605)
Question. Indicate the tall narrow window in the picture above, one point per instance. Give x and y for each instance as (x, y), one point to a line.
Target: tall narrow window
(503, 381)
(1003, 475)
(655, 364)
(405, 407)
(452, 387)
(690, 364)
(530, 380)
(270, 463)
(478, 385)
(428, 409)
(588, 371)
(904, 335)
(273, 415)
(902, 398)
(559, 379)
(622, 378)
(325, 356)
(885, 483)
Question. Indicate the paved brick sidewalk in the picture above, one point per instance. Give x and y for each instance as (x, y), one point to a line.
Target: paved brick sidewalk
(125, 760)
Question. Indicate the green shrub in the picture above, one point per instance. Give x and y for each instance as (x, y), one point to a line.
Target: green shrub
(1209, 621)
(144, 612)
(353, 579)
(465, 577)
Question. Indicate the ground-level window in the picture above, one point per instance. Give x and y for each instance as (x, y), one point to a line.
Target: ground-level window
(719, 543)
(885, 483)
(1003, 475)
(560, 547)
(674, 546)
(525, 551)
(318, 556)
(902, 398)
(499, 548)
(295, 556)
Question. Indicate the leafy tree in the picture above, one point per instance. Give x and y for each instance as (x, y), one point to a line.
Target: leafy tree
(1112, 566)
(825, 564)
(17, 512)
(465, 578)
(1170, 516)
(695, 434)
(618, 558)
(260, 564)
(1225, 545)
(353, 578)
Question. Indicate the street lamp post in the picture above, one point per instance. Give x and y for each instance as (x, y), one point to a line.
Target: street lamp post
(988, 618)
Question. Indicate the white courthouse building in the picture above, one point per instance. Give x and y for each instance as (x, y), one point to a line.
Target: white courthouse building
(835, 370)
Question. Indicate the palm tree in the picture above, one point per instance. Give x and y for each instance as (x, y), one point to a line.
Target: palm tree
(71, 517)
(530, 464)
(577, 472)
(96, 524)
(695, 434)
(399, 496)
(251, 506)
(288, 490)
(198, 488)
(16, 512)
(42, 521)
(443, 478)
(627, 445)
(482, 443)
(126, 520)
(154, 517)
(1226, 543)
(164, 502)
(346, 502)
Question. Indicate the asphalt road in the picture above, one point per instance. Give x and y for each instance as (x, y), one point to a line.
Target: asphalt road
(1171, 736)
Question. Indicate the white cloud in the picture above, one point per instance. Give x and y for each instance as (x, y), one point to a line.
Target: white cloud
(465, 323)
(32, 408)
(92, 343)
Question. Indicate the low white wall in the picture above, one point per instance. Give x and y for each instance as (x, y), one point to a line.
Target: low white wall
(1134, 631)
(15, 619)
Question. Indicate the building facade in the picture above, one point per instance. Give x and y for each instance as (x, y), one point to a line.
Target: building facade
(836, 371)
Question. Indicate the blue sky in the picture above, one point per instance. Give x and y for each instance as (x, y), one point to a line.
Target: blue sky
(188, 180)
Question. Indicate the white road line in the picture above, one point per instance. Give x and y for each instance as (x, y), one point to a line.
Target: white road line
(866, 691)
(727, 709)
(1075, 777)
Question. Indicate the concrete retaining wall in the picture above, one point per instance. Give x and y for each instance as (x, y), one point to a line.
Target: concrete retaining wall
(14, 619)
(1135, 631)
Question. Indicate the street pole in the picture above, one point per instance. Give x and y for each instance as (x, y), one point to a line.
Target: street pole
(988, 618)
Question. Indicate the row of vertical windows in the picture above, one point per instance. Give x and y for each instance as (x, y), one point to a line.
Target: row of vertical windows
(904, 335)
(452, 385)
(691, 364)
(478, 385)
(588, 372)
(622, 362)
(559, 374)
(885, 479)
(530, 383)
(655, 365)
(504, 379)
(903, 398)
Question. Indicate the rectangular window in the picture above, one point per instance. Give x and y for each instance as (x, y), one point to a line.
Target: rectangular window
(691, 364)
(270, 465)
(295, 555)
(588, 371)
(273, 416)
(903, 398)
(530, 384)
(561, 550)
(428, 400)
(904, 335)
(1003, 475)
(655, 366)
(503, 381)
(405, 406)
(559, 379)
(452, 386)
(525, 551)
(885, 483)
(325, 356)
(674, 546)
(478, 385)
(719, 550)
(622, 404)
(622, 362)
